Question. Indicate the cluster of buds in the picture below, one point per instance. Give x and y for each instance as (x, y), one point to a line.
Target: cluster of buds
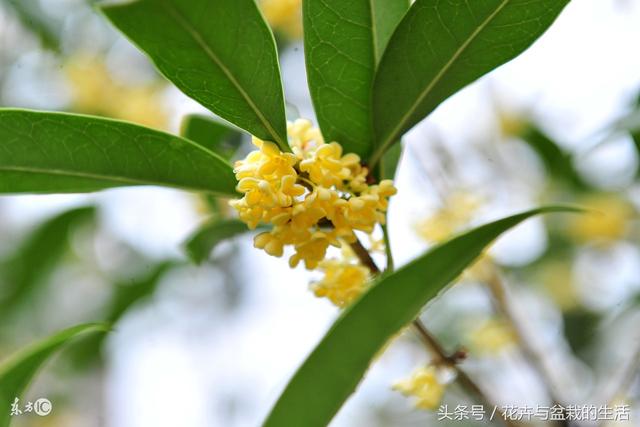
(314, 197)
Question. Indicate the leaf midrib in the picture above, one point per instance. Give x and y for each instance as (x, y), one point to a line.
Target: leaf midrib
(395, 133)
(193, 32)
(374, 33)
(98, 177)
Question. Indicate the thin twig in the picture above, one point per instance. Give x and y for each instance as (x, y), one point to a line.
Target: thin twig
(437, 351)
(440, 357)
(536, 359)
(438, 354)
(365, 257)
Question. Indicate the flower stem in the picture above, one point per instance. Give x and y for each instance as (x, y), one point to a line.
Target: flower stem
(387, 248)
(365, 257)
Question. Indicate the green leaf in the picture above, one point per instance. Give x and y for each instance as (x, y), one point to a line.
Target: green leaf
(343, 42)
(42, 152)
(202, 242)
(211, 134)
(390, 161)
(221, 53)
(442, 46)
(17, 372)
(557, 161)
(580, 329)
(334, 369)
(387, 14)
(635, 136)
(35, 258)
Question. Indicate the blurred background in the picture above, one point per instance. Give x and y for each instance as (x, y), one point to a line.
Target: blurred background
(214, 344)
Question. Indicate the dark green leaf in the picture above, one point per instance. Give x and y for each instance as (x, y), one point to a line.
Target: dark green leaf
(580, 329)
(33, 261)
(390, 161)
(17, 372)
(211, 134)
(387, 14)
(221, 53)
(202, 242)
(343, 43)
(442, 46)
(42, 152)
(334, 369)
(635, 136)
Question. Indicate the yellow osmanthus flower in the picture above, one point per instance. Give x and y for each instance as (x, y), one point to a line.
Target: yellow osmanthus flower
(284, 16)
(455, 213)
(376, 245)
(94, 91)
(492, 337)
(314, 197)
(557, 279)
(511, 124)
(607, 221)
(425, 385)
(343, 281)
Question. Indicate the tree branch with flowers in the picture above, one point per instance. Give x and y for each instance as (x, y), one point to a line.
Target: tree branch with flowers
(375, 69)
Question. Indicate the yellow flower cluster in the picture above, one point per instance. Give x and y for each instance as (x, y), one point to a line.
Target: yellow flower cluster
(284, 16)
(94, 91)
(425, 385)
(314, 197)
(343, 281)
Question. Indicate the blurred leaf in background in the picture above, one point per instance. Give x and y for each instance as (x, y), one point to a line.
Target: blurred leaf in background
(124, 296)
(33, 17)
(17, 371)
(25, 270)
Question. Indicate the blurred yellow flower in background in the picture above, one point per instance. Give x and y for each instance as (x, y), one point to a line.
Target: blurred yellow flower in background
(556, 277)
(456, 212)
(284, 16)
(491, 336)
(511, 124)
(94, 91)
(608, 219)
(425, 385)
